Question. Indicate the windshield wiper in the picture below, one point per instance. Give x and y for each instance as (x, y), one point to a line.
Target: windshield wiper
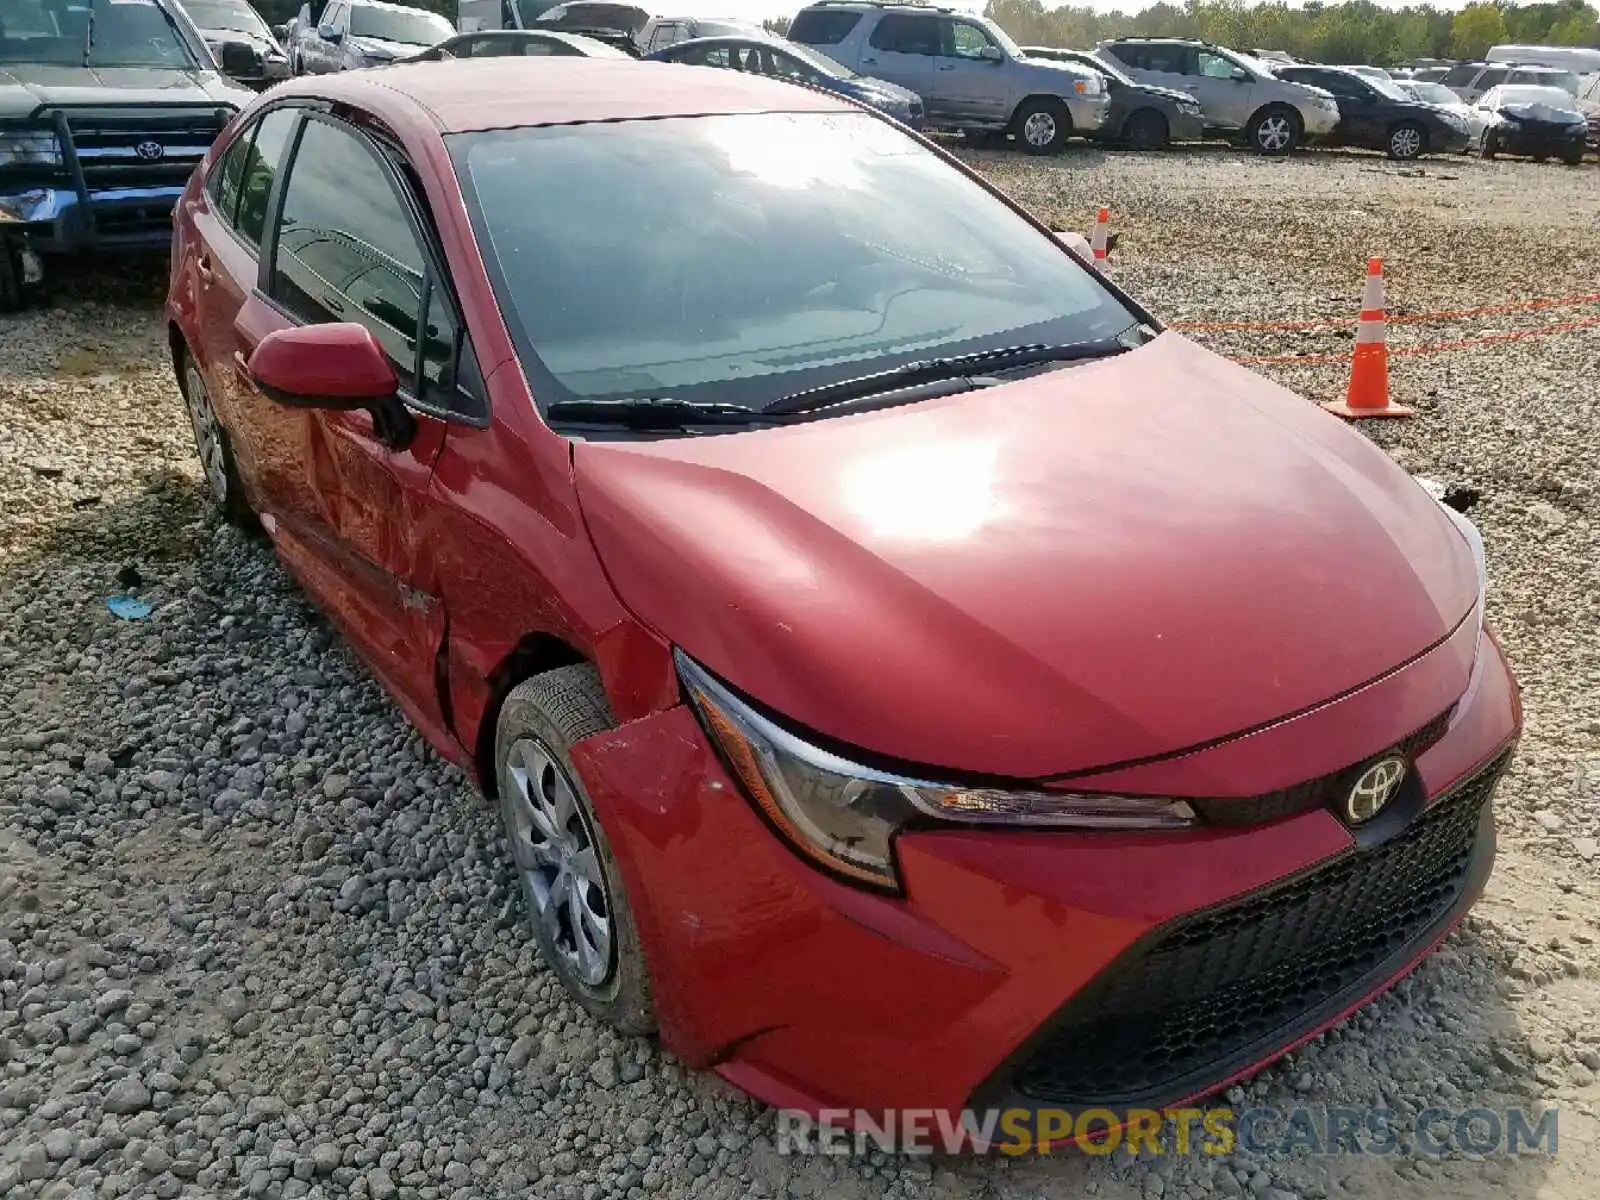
(954, 367)
(652, 412)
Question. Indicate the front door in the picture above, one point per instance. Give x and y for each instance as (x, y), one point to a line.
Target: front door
(902, 50)
(346, 511)
(972, 87)
(1227, 97)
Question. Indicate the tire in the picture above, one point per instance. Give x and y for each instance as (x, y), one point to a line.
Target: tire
(1573, 159)
(1539, 158)
(1145, 129)
(212, 444)
(589, 940)
(1407, 141)
(1275, 130)
(1491, 145)
(12, 295)
(1042, 125)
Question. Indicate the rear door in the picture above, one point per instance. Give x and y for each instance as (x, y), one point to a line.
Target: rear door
(970, 86)
(901, 49)
(350, 242)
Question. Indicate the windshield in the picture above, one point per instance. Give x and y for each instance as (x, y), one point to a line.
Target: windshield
(413, 28)
(1385, 87)
(1432, 93)
(122, 33)
(1554, 97)
(819, 62)
(1565, 80)
(1003, 39)
(233, 15)
(741, 258)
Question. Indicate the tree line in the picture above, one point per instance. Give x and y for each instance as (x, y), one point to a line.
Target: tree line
(1353, 32)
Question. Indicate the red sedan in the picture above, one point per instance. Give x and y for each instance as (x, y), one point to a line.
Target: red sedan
(909, 677)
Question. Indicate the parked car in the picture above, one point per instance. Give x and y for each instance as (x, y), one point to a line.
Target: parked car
(1589, 105)
(971, 76)
(1443, 98)
(1377, 114)
(736, 515)
(1141, 116)
(224, 21)
(1471, 80)
(524, 43)
(1580, 60)
(98, 138)
(1240, 95)
(782, 59)
(1533, 122)
(618, 25)
(366, 33)
(659, 33)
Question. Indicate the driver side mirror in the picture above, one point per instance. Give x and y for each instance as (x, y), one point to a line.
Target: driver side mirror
(1240, 75)
(238, 58)
(329, 33)
(991, 54)
(338, 367)
(281, 32)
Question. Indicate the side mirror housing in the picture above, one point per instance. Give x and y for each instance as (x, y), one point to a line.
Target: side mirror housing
(1240, 75)
(339, 367)
(329, 34)
(281, 32)
(238, 58)
(991, 54)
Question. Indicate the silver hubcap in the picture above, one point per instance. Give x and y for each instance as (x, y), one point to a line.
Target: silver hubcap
(554, 848)
(1274, 133)
(1039, 129)
(207, 433)
(1405, 143)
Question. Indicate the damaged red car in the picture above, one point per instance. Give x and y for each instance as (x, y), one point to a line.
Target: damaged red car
(909, 676)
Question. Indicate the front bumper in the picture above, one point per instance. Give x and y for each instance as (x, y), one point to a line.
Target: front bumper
(56, 220)
(1450, 140)
(1088, 112)
(1031, 968)
(1523, 140)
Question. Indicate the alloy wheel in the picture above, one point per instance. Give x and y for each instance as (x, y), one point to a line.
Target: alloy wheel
(1405, 142)
(207, 433)
(1274, 133)
(1039, 129)
(554, 848)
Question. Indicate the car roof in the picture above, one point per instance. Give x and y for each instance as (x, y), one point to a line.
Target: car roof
(465, 95)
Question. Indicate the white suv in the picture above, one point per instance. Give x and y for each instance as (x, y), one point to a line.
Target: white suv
(1239, 94)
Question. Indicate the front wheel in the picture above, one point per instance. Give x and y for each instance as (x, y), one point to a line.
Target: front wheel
(1042, 125)
(1275, 130)
(1407, 141)
(1573, 158)
(579, 916)
(1146, 130)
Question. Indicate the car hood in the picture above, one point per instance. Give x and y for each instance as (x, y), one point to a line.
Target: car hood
(215, 38)
(871, 88)
(1546, 114)
(1094, 565)
(25, 87)
(371, 45)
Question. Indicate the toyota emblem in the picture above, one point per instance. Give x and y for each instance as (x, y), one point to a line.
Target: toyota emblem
(1376, 787)
(150, 151)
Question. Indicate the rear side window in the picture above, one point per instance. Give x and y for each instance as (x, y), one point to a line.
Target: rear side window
(822, 27)
(1460, 76)
(901, 33)
(261, 169)
(223, 186)
(1493, 77)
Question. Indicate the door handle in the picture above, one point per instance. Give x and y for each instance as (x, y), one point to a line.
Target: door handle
(944, 66)
(202, 268)
(870, 61)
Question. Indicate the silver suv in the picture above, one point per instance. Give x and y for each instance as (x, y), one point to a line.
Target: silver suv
(970, 74)
(1239, 94)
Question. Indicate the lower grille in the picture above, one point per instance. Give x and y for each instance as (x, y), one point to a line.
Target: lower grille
(1311, 793)
(1212, 992)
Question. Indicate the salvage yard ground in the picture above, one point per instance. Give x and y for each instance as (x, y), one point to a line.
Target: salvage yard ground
(255, 939)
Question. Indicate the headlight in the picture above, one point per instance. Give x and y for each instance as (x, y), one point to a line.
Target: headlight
(1086, 87)
(843, 816)
(29, 149)
(1191, 107)
(1474, 539)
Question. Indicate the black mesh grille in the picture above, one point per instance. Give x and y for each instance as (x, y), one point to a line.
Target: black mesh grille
(1311, 793)
(1212, 987)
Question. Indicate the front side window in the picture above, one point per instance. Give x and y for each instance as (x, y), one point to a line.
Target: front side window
(1491, 78)
(1461, 76)
(96, 33)
(901, 33)
(1215, 66)
(744, 257)
(967, 40)
(346, 250)
(703, 56)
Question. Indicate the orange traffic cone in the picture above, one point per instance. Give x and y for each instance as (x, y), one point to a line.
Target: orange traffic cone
(1098, 240)
(1369, 369)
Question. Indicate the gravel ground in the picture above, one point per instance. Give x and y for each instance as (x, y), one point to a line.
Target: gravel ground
(255, 938)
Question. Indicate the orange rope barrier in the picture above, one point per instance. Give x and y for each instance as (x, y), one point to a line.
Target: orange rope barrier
(1454, 314)
(1429, 348)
